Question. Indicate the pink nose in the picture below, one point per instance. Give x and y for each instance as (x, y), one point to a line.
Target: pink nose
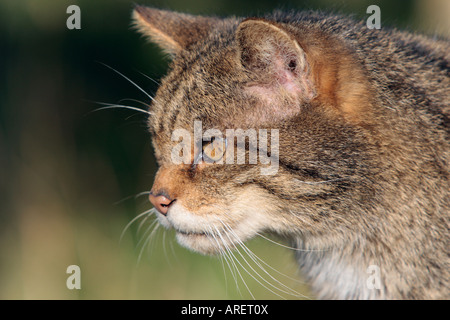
(161, 203)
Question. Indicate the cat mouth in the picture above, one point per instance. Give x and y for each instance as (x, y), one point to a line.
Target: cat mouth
(191, 233)
(203, 241)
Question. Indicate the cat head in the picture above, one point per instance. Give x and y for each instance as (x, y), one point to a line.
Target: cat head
(297, 98)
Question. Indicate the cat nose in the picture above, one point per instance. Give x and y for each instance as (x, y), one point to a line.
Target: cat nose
(161, 203)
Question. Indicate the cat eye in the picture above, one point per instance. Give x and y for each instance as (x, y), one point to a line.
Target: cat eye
(214, 150)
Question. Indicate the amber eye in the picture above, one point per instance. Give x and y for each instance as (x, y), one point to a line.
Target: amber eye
(214, 150)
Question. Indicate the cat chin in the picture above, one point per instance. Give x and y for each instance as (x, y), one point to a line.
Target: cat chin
(200, 243)
(208, 244)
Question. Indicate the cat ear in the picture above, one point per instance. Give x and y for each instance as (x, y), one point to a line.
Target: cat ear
(276, 59)
(172, 31)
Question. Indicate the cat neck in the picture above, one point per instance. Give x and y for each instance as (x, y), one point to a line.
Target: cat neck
(334, 274)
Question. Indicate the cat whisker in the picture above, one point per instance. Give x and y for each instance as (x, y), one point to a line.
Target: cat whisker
(252, 256)
(273, 269)
(233, 259)
(257, 260)
(247, 271)
(288, 247)
(165, 249)
(117, 106)
(128, 79)
(317, 182)
(172, 249)
(228, 260)
(221, 257)
(142, 241)
(150, 78)
(140, 194)
(221, 253)
(145, 213)
(134, 100)
(154, 226)
(143, 221)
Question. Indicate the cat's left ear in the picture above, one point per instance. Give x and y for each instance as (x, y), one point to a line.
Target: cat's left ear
(172, 31)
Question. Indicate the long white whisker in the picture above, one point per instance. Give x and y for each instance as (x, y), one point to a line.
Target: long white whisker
(147, 212)
(149, 78)
(146, 232)
(288, 247)
(117, 106)
(257, 274)
(165, 249)
(223, 255)
(233, 258)
(172, 249)
(140, 194)
(257, 261)
(143, 222)
(134, 100)
(237, 273)
(272, 268)
(147, 241)
(121, 74)
(316, 182)
(150, 241)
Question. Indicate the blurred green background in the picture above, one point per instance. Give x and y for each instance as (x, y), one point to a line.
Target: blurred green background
(68, 175)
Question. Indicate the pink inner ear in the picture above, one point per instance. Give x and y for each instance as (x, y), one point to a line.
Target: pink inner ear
(283, 78)
(293, 75)
(286, 77)
(283, 86)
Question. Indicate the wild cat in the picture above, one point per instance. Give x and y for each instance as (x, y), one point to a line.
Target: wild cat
(362, 120)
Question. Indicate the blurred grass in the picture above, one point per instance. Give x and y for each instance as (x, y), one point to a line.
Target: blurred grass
(63, 168)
